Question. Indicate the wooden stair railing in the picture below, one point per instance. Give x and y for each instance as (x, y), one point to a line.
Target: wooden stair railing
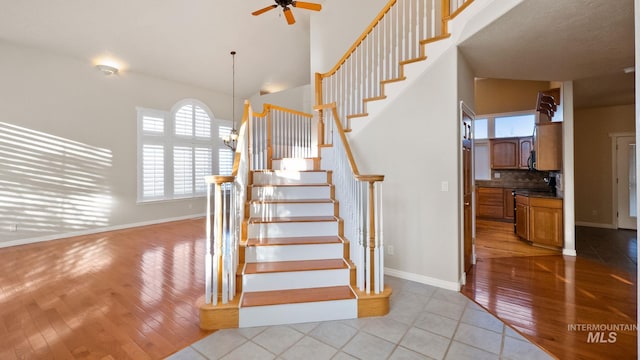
(288, 133)
(360, 200)
(395, 38)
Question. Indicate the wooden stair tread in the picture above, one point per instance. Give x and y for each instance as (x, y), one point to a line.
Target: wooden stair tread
(292, 219)
(295, 201)
(289, 185)
(285, 266)
(296, 296)
(268, 171)
(302, 240)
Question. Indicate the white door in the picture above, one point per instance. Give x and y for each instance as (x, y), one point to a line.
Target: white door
(626, 181)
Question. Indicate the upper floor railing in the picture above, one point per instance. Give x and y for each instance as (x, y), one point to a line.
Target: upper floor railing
(394, 38)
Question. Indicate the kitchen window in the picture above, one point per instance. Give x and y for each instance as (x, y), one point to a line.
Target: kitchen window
(495, 126)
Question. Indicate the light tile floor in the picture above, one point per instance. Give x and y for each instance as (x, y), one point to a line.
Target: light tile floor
(425, 322)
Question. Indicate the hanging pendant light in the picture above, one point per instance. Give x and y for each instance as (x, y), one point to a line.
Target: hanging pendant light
(231, 139)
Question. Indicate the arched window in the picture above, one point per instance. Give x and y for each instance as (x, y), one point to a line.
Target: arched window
(177, 149)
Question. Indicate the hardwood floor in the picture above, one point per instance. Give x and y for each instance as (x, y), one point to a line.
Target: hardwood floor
(543, 296)
(495, 239)
(126, 294)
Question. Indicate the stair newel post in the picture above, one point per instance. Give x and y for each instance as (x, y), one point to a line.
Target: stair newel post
(319, 103)
(269, 139)
(373, 233)
(208, 259)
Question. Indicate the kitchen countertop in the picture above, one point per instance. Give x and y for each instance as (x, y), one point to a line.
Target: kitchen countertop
(528, 185)
(537, 193)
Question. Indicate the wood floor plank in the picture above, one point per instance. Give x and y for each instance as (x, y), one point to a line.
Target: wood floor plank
(541, 296)
(127, 294)
(496, 239)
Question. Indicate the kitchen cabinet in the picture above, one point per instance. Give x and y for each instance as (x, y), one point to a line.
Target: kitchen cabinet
(525, 145)
(490, 202)
(504, 153)
(511, 153)
(545, 222)
(508, 204)
(522, 216)
(547, 143)
(495, 203)
(539, 220)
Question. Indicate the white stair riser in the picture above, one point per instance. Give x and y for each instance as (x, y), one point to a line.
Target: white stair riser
(292, 164)
(298, 313)
(292, 229)
(290, 177)
(290, 192)
(293, 252)
(271, 210)
(294, 280)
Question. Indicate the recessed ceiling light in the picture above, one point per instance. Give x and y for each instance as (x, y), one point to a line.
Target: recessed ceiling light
(629, 70)
(107, 70)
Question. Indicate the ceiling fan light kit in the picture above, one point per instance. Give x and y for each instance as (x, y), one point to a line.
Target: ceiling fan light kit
(286, 10)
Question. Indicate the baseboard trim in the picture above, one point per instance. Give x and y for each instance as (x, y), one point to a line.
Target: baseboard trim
(569, 252)
(427, 280)
(596, 225)
(38, 239)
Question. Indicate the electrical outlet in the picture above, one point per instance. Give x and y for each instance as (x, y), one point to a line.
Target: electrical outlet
(390, 249)
(496, 175)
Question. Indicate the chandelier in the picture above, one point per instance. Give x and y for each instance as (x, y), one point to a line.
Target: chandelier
(231, 139)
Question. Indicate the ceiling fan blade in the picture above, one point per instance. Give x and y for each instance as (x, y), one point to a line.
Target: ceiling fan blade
(289, 16)
(307, 5)
(264, 10)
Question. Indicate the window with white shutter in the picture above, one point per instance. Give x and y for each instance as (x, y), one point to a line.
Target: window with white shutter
(177, 150)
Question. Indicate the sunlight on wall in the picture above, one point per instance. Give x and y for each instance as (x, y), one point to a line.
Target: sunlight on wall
(49, 184)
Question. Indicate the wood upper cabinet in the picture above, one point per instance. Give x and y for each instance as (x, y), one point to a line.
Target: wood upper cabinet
(504, 153)
(511, 153)
(525, 145)
(548, 146)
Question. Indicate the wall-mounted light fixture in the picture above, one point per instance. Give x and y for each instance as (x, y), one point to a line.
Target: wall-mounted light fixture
(107, 70)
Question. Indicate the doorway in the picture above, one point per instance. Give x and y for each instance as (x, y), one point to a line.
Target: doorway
(625, 184)
(467, 186)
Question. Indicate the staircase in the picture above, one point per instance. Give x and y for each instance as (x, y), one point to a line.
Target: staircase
(295, 265)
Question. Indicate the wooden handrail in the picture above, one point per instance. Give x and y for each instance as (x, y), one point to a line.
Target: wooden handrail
(359, 40)
(347, 147)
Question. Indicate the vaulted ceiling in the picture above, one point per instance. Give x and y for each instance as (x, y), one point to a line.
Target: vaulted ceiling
(184, 41)
(589, 41)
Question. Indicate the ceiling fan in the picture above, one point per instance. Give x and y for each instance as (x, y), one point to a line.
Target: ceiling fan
(287, 11)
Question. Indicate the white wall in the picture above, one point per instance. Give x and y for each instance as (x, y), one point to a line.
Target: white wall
(414, 143)
(298, 98)
(333, 33)
(68, 101)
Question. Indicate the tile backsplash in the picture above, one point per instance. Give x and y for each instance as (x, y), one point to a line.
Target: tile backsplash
(517, 179)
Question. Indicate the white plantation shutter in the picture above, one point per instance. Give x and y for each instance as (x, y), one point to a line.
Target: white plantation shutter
(225, 161)
(153, 124)
(152, 171)
(202, 123)
(178, 149)
(184, 121)
(204, 162)
(182, 170)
